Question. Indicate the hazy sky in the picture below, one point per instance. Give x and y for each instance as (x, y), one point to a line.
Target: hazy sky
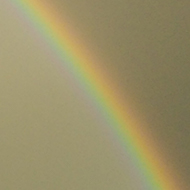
(145, 46)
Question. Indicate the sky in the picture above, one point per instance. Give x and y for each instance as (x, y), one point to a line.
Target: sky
(144, 45)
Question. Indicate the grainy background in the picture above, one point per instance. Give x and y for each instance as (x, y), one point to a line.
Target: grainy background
(46, 128)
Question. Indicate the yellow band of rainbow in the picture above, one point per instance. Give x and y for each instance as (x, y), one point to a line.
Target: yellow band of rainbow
(80, 61)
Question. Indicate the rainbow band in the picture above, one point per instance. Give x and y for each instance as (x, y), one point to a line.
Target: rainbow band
(79, 61)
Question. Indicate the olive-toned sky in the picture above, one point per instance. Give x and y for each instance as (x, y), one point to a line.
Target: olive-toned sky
(46, 128)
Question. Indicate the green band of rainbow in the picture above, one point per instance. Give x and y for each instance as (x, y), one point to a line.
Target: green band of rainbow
(141, 148)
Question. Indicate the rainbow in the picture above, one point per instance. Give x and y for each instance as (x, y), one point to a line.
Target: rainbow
(97, 84)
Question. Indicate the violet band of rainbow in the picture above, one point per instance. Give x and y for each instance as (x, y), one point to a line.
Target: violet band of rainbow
(81, 63)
